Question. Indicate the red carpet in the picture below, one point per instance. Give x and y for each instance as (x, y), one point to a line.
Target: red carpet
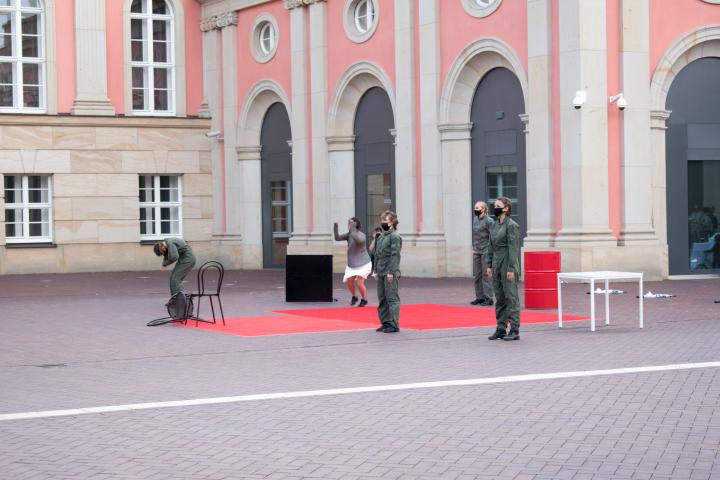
(412, 317)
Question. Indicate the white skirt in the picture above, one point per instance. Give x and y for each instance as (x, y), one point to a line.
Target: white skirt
(363, 271)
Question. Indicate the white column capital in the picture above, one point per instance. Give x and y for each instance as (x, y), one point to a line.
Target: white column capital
(658, 119)
(341, 143)
(455, 131)
(218, 21)
(248, 153)
(290, 4)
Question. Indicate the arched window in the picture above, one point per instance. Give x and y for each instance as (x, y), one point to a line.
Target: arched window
(22, 56)
(152, 57)
(364, 16)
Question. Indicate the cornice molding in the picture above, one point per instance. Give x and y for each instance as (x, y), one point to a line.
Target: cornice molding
(218, 21)
(290, 4)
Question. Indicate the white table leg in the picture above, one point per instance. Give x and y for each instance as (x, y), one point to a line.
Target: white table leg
(641, 302)
(607, 302)
(559, 285)
(592, 305)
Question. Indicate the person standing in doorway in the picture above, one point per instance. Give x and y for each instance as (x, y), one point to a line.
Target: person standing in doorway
(482, 223)
(359, 265)
(387, 270)
(175, 250)
(503, 256)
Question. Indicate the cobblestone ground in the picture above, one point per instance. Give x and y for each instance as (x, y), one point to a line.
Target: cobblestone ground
(72, 341)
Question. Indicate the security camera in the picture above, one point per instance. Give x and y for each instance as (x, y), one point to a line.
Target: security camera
(580, 99)
(619, 99)
(213, 134)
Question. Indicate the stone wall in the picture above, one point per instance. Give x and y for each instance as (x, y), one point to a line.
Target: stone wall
(94, 163)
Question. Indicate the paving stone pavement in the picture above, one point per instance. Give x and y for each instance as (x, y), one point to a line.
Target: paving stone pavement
(71, 341)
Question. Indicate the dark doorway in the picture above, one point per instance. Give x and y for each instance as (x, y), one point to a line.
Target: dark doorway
(498, 143)
(374, 158)
(276, 178)
(693, 169)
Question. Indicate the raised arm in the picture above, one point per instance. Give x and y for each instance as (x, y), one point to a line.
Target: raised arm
(338, 237)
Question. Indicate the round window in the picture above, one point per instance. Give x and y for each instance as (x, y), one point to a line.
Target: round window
(360, 19)
(264, 38)
(480, 8)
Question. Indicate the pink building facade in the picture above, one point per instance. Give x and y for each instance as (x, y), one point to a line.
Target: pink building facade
(250, 126)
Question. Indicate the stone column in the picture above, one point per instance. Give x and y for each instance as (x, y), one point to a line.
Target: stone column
(299, 121)
(222, 150)
(405, 119)
(538, 122)
(249, 205)
(431, 239)
(658, 129)
(457, 191)
(91, 95)
(233, 179)
(341, 160)
(642, 248)
(320, 238)
(583, 66)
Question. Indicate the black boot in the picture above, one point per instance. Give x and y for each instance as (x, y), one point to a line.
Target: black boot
(353, 301)
(486, 302)
(513, 335)
(477, 301)
(498, 335)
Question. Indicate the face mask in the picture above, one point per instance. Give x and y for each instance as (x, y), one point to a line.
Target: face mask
(478, 212)
(385, 226)
(498, 211)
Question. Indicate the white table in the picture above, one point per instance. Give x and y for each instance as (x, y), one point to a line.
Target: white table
(593, 277)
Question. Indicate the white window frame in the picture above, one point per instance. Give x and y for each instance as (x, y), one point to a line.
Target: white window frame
(157, 205)
(480, 8)
(282, 203)
(17, 60)
(269, 29)
(149, 63)
(364, 21)
(264, 22)
(26, 206)
(361, 27)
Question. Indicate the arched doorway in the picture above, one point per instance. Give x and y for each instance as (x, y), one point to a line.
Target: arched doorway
(276, 188)
(693, 168)
(498, 142)
(374, 157)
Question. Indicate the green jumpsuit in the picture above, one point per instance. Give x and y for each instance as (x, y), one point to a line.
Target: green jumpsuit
(503, 253)
(178, 251)
(387, 261)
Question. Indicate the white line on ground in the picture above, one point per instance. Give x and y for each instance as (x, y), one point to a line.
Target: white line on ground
(345, 391)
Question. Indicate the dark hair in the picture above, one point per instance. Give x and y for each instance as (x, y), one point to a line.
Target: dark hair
(392, 215)
(506, 201)
(358, 225)
(158, 249)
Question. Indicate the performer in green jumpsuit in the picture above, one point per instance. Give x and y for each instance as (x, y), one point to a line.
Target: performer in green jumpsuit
(387, 270)
(503, 253)
(175, 250)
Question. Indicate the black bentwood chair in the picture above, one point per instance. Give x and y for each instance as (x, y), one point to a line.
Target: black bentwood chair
(210, 278)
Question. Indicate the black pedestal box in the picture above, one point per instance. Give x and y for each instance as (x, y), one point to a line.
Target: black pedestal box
(308, 278)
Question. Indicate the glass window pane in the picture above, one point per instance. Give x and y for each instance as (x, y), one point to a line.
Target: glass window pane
(30, 3)
(137, 48)
(5, 3)
(703, 176)
(164, 181)
(161, 100)
(6, 96)
(137, 29)
(13, 215)
(31, 97)
(161, 78)
(159, 7)
(6, 73)
(31, 74)
(6, 23)
(160, 52)
(6, 49)
(138, 77)
(160, 30)
(30, 24)
(30, 46)
(138, 6)
(138, 99)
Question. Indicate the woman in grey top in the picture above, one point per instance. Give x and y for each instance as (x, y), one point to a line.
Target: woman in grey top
(359, 265)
